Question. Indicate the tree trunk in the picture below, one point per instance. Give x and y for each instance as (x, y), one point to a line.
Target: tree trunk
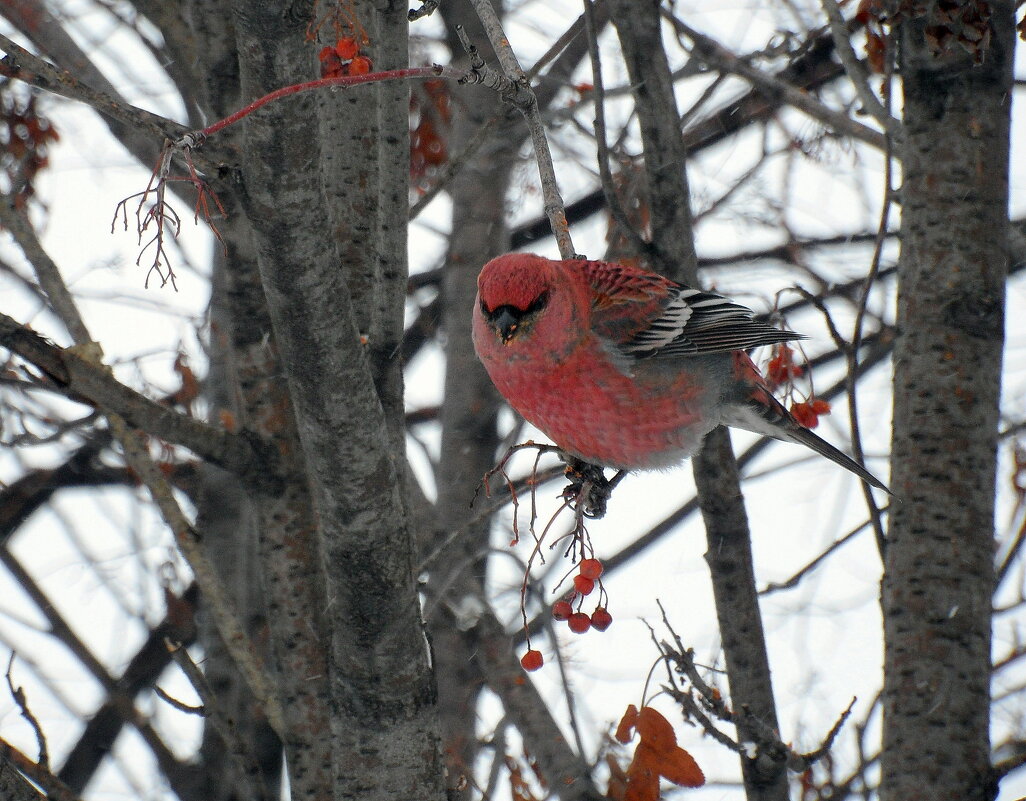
(939, 573)
(336, 314)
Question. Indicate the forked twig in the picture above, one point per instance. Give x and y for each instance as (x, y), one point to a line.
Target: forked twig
(155, 215)
(18, 694)
(710, 704)
(163, 217)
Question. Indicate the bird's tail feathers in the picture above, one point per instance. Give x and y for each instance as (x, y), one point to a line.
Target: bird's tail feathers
(764, 414)
(803, 436)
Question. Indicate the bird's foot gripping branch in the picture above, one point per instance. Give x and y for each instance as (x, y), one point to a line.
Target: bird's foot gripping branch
(589, 490)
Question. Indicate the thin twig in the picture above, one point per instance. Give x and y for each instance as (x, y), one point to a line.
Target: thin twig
(856, 71)
(637, 243)
(860, 314)
(527, 104)
(18, 694)
(556, 48)
(341, 81)
(808, 568)
(802, 762)
(181, 706)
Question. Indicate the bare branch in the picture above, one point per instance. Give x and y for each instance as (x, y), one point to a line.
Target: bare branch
(526, 102)
(79, 378)
(54, 788)
(13, 784)
(608, 187)
(857, 73)
(21, 64)
(719, 57)
(211, 709)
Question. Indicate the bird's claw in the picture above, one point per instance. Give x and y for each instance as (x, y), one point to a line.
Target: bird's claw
(589, 490)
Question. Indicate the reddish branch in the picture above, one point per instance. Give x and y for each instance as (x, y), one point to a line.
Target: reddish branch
(434, 71)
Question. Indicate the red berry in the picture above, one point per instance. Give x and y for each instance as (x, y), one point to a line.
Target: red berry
(579, 622)
(583, 584)
(360, 65)
(804, 414)
(331, 67)
(819, 406)
(532, 660)
(601, 619)
(561, 610)
(591, 568)
(346, 47)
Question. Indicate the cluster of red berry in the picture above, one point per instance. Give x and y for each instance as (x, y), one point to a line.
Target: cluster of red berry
(588, 573)
(579, 622)
(343, 58)
(782, 370)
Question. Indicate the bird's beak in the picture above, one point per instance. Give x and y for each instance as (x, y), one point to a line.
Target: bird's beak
(506, 323)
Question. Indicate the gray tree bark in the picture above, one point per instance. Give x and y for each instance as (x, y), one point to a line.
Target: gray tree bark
(336, 313)
(939, 573)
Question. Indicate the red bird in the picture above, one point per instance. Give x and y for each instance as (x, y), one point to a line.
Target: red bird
(624, 368)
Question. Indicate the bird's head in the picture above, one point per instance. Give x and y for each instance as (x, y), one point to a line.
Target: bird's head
(513, 291)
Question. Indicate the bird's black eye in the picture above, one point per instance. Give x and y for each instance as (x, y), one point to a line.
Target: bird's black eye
(538, 303)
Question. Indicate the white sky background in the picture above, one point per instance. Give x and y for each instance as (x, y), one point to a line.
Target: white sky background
(97, 554)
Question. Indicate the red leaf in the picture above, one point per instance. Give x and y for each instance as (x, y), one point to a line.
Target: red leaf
(190, 388)
(657, 755)
(680, 768)
(643, 776)
(627, 723)
(655, 730)
(876, 48)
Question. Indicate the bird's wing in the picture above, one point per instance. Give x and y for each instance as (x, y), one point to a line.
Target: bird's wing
(643, 315)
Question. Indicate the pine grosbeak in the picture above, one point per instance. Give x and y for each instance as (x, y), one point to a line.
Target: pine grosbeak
(624, 368)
